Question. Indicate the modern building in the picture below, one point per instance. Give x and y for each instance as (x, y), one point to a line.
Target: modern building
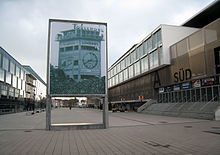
(80, 52)
(17, 85)
(35, 86)
(173, 64)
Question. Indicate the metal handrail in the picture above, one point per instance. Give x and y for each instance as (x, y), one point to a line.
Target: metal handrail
(208, 103)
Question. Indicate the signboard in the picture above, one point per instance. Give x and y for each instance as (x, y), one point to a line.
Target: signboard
(208, 81)
(141, 97)
(161, 90)
(176, 87)
(196, 83)
(185, 86)
(169, 89)
(77, 54)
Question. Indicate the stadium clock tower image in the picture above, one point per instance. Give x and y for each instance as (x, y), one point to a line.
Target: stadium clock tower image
(80, 52)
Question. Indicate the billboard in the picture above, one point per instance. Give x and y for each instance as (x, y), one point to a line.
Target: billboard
(77, 58)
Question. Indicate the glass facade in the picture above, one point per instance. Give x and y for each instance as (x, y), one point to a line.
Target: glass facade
(8, 78)
(133, 56)
(0, 60)
(154, 62)
(148, 45)
(144, 64)
(2, 75)
(131, 71)
(17, 71)
(121, 78)
(137, 69)
(14, 83)
(146, 56)
(128, 60)
(12, 68)
(5, 63)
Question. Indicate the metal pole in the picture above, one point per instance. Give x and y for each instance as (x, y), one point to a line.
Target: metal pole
(105, 112)
(48, 112)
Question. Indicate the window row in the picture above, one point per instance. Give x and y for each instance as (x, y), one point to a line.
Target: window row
(154, 59)
(9, 66)
(151, 43)
(83, 47)
(11, 79)
(13, 92)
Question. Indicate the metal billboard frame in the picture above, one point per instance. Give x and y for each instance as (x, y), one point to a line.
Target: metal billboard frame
(103, 97)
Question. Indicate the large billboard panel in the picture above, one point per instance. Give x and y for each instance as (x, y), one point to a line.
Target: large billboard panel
(77, 61)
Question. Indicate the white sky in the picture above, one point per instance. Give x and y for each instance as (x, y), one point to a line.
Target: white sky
(24, 23)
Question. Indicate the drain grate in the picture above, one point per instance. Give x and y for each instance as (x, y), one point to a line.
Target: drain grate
(155, 144)
(27, 131)
(187, 126)
(163, 122)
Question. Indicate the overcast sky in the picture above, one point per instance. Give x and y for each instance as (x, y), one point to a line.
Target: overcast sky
(24, 23)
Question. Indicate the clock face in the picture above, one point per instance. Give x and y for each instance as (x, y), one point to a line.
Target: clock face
(90, 60)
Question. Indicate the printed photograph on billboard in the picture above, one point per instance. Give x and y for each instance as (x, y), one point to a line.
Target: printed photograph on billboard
(77, 58)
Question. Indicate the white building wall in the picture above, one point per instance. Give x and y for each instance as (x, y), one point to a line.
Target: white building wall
(40, 90)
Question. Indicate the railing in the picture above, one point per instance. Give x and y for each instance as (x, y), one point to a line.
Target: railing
(208, 102)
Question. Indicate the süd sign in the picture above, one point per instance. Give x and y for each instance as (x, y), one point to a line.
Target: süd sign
(182, 75)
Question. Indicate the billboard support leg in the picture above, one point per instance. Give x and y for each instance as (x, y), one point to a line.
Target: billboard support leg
(105, 112)
(48, 113)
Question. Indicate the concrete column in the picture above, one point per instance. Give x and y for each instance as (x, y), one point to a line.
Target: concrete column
(105, 112)
(48, 112)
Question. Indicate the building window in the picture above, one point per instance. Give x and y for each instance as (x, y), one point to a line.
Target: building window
(113, 81)
(11, 92)
(116, 79)
(133, 56)
(114, 71)
(131, 71)
(75, 63)
(76, 47)
(75, 77)
(14, 81)
(118, 68)
(125, 74)
(2, 75)
(18, 71)
(121, 79)
(4, 89)
(61, 49)
(154, 59)
(8, 78)
(19, 83)
(22, 74)
(122, 64)
(137, 68)
(144, 64)
(70, 48)
(5, 63)
(157, 39)
(12, 68)
(139, 51)
(128, 60)
(148, 45)
(23, 85)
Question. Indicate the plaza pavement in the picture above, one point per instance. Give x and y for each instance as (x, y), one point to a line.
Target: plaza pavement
(129, 133)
